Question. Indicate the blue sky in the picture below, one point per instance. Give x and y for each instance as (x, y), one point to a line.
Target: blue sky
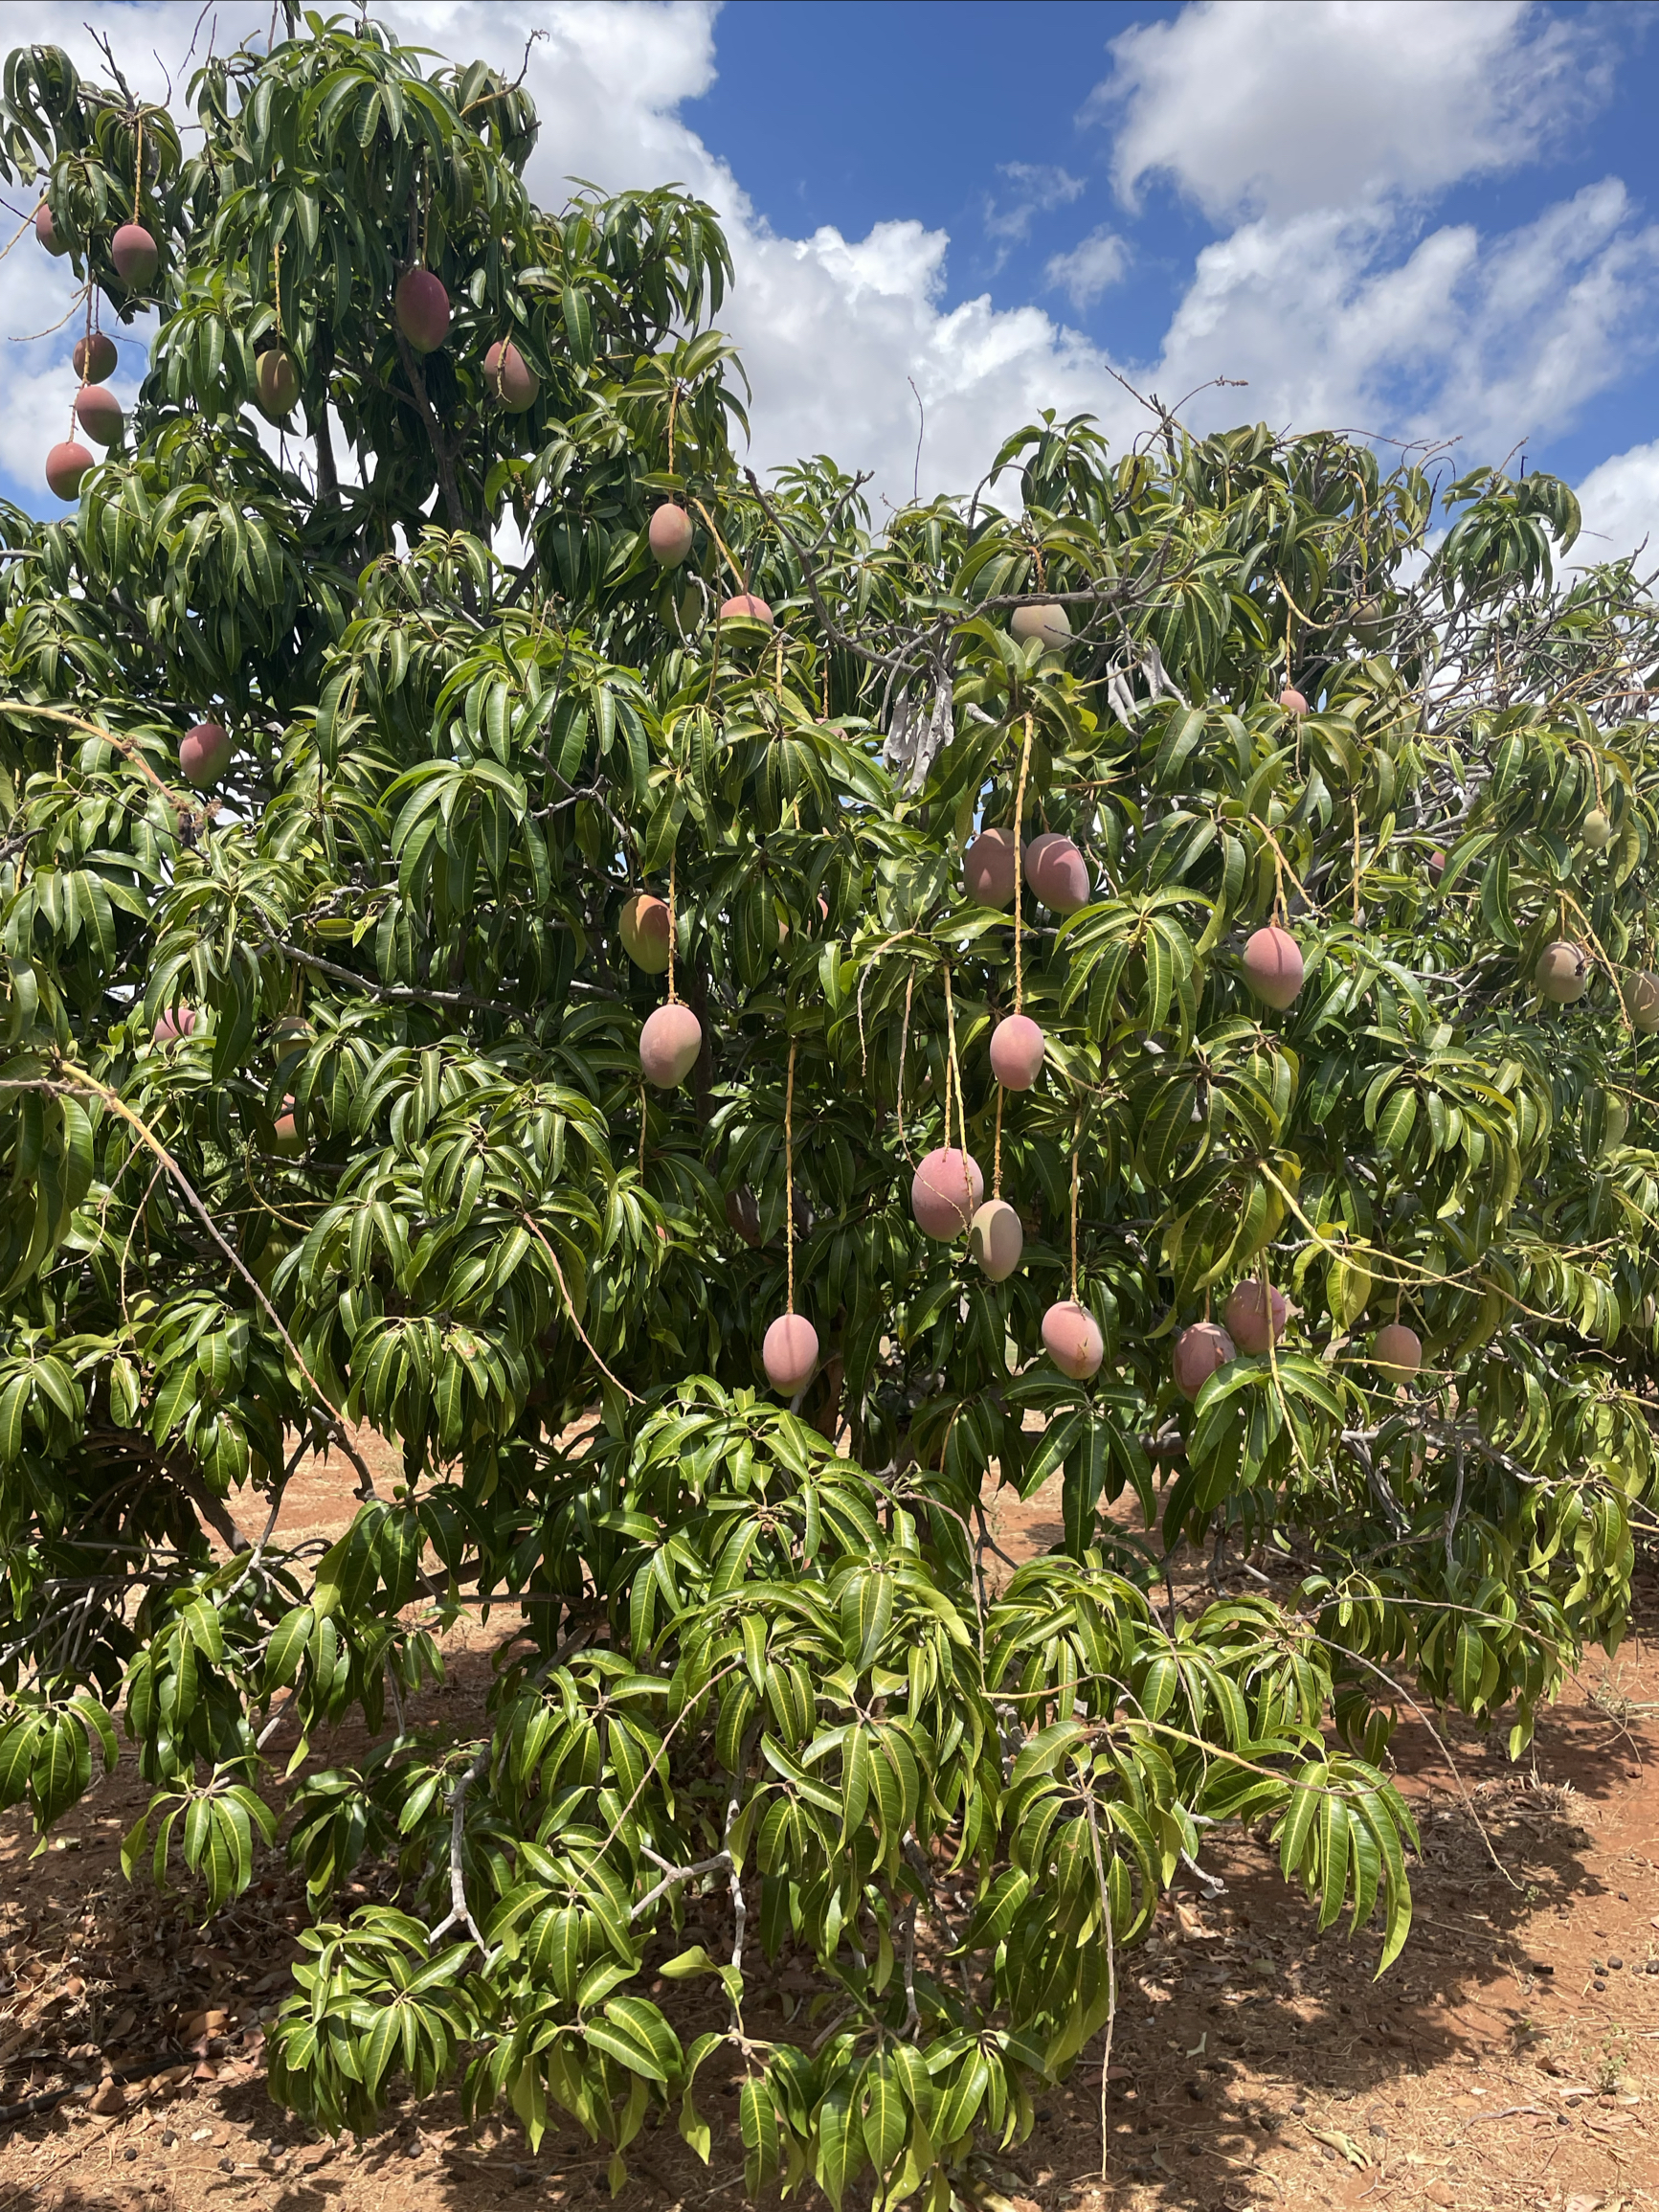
(1418, 217)
(1032, 178)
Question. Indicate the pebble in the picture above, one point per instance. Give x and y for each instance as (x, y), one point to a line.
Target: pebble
(1615, 1964)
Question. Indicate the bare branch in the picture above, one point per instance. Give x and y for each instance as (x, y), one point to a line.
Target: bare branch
(459, 1914)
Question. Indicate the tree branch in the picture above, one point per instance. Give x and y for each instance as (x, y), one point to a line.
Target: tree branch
(674, 1876)
(327, 481)
(80, 1079)
(899, 664)
(442, 458)
(394, 994)
(459, 1914)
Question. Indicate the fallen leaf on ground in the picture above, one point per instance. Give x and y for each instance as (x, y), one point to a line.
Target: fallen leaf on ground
(1335, 2140)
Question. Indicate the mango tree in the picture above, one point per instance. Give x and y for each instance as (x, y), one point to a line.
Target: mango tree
(418, 700)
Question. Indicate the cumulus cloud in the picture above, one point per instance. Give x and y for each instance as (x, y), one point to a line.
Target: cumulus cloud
(1620, 502)
(1493, 341)
(1038, 187)
(1331, 291)
(1254, 107)
(1091, 267)
(832, 330)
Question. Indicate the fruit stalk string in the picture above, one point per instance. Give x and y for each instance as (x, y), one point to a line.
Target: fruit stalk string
(86, 366)
(1019, 945)
(138, 167)
(1076, 1146)
(673, 407)
(739, 574)
(789, 1176)
(953, 1069)
(904, 1048)
(671, 927)
(1019, 897)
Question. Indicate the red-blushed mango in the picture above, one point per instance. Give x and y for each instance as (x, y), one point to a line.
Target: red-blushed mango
(97, 411)
(995, 1238)
(1200, 1352)
(990, 870)
(1072, 1340)
(513, 384)
(421, 305)
(204, 754)
(45, 230)
(669, 1044)
(1293, 701)
(1017, 1049)
(275, 382)
(946, 1193)
(1043, 621)
(288, 1140)
(1273, 966)
(96, 362)
(744, 607)
(670, 535)
(175, 1023)
(66, 465)
(1642, 998)
(1436, 866)
(136, 255)
(1056, 873)
(790, 1354)
(1396, 1353)
(1248, 1306)
(1562, 974)
(644, 932)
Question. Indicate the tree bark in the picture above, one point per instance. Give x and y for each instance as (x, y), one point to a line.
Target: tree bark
(442, 458)
(328, 479)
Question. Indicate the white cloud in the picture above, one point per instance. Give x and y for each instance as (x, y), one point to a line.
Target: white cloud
(1492, 342)
(1258, 107)
(1338, 302)
(1091, 267)
(38, 383)
(1620, 502)
(1038, 188)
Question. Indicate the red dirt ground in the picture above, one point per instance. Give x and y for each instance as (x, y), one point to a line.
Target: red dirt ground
(1506, 2061)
